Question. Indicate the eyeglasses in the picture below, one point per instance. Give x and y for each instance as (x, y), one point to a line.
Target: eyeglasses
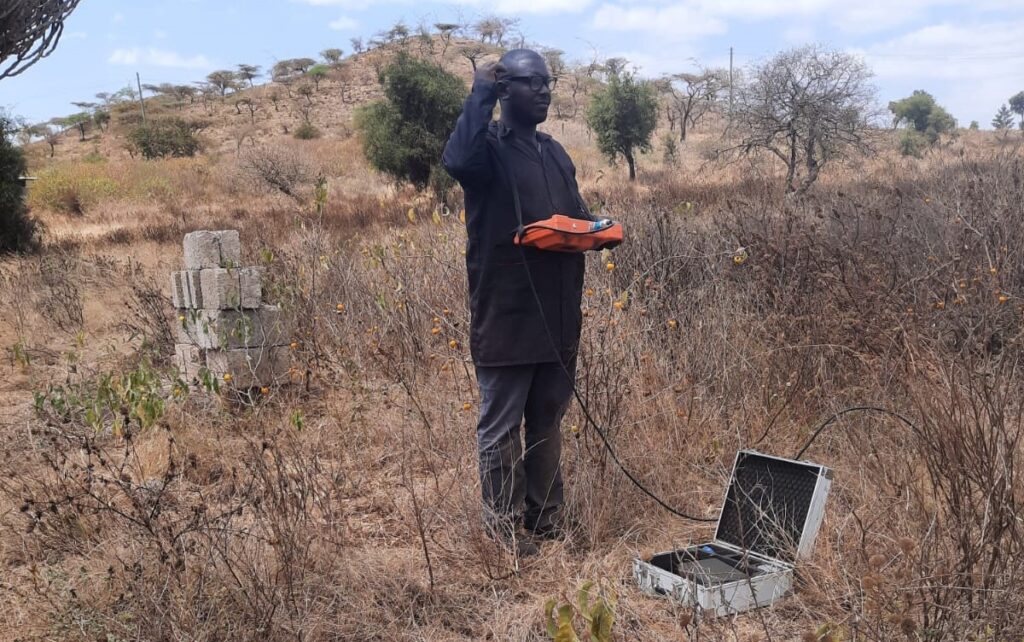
(536, 82)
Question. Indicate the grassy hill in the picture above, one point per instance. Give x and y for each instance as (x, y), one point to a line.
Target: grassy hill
(342, 502)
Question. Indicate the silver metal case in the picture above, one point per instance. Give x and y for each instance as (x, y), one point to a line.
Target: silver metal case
(769, 520)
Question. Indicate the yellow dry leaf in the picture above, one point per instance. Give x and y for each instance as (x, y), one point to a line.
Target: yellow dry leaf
(411, 215)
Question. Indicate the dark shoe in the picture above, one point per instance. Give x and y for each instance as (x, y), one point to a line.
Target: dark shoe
(558, 528)
(525, 547)
(508, 535)
(550, 533)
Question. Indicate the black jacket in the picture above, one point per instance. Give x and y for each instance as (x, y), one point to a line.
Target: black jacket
(507, 325)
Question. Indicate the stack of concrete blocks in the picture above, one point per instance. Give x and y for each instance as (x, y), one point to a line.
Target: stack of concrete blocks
(222, 324)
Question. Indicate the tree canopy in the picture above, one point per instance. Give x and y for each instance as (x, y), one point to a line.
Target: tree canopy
(404, 134)
(1003, 119)
(806, 106)
(920, 112)
(623, 114)
(17, 228)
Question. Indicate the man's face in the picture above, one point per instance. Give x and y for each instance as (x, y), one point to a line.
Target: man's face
(518, 100)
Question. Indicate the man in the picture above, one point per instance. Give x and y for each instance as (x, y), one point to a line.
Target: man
(525, 327)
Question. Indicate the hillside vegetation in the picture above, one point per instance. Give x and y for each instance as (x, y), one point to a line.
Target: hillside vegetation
(343, 503)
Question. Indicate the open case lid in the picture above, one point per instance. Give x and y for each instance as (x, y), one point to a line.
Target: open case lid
(773, 506)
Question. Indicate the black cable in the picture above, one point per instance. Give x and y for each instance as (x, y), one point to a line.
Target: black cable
(844, 411)
(586, 411)
(565, 369)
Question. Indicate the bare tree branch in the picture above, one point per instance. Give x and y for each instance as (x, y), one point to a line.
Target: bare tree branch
(30, 30)
(808, 107)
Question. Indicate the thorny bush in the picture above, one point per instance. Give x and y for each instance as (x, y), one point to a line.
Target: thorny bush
(731, 318)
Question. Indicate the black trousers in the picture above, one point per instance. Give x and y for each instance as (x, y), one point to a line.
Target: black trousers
(522, 483)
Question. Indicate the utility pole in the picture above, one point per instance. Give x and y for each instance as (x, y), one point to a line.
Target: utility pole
(142, 103)
(730, 84)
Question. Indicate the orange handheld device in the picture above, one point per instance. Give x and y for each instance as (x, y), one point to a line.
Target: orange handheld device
(562, 233)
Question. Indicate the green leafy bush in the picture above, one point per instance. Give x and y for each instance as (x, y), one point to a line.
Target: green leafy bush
(591, 616)
(112, 402)
(72, 188)
(623, 114)
(307, 131)
(913, 143)
(404, 134)
(922, 115)
(17, 229)
(163, 138)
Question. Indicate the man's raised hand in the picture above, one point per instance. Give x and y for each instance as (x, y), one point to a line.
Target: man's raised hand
(490, 72)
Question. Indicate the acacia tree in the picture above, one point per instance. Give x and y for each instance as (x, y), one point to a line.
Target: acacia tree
(555, 60)
(808, 107)
(473, 53)
(30, 30)
(399, 32)
(566, 101)
(80, 121)
(247, 73)
(50, 134)
(623, 114)
(331, 56)
(691, 96)
(346, 83)
(223, 80)
(446, 31)
(252, 105)
(183, 92)
(493, 29)
(317, 73)
(292, 67)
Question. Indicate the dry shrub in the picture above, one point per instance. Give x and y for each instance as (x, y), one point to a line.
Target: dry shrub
(89, 188)
(275, 169)
(357, 487)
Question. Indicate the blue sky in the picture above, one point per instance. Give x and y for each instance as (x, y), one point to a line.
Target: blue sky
(970, 55)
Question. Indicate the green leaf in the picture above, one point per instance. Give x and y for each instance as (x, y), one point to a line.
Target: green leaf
(565, 632)
(583, 598)
(549, 609)
(602, 620)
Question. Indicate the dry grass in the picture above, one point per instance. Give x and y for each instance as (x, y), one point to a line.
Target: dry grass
(344, 505)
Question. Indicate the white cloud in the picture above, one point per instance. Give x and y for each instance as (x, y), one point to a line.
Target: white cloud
(971, 69)
(655, 65)
(697, 17)
(117, 18)
(158, 58)
(950, 51)
(799, 34)
(343, 23)
(677, 19)
(503, 6)
(537, 6)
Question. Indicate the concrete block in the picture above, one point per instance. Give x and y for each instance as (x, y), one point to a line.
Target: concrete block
(194, 288)
(251, 287)
(189, 359)
(210, 249)
(229, 329)
(249, 367)
(179, 291)
(220, 288)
